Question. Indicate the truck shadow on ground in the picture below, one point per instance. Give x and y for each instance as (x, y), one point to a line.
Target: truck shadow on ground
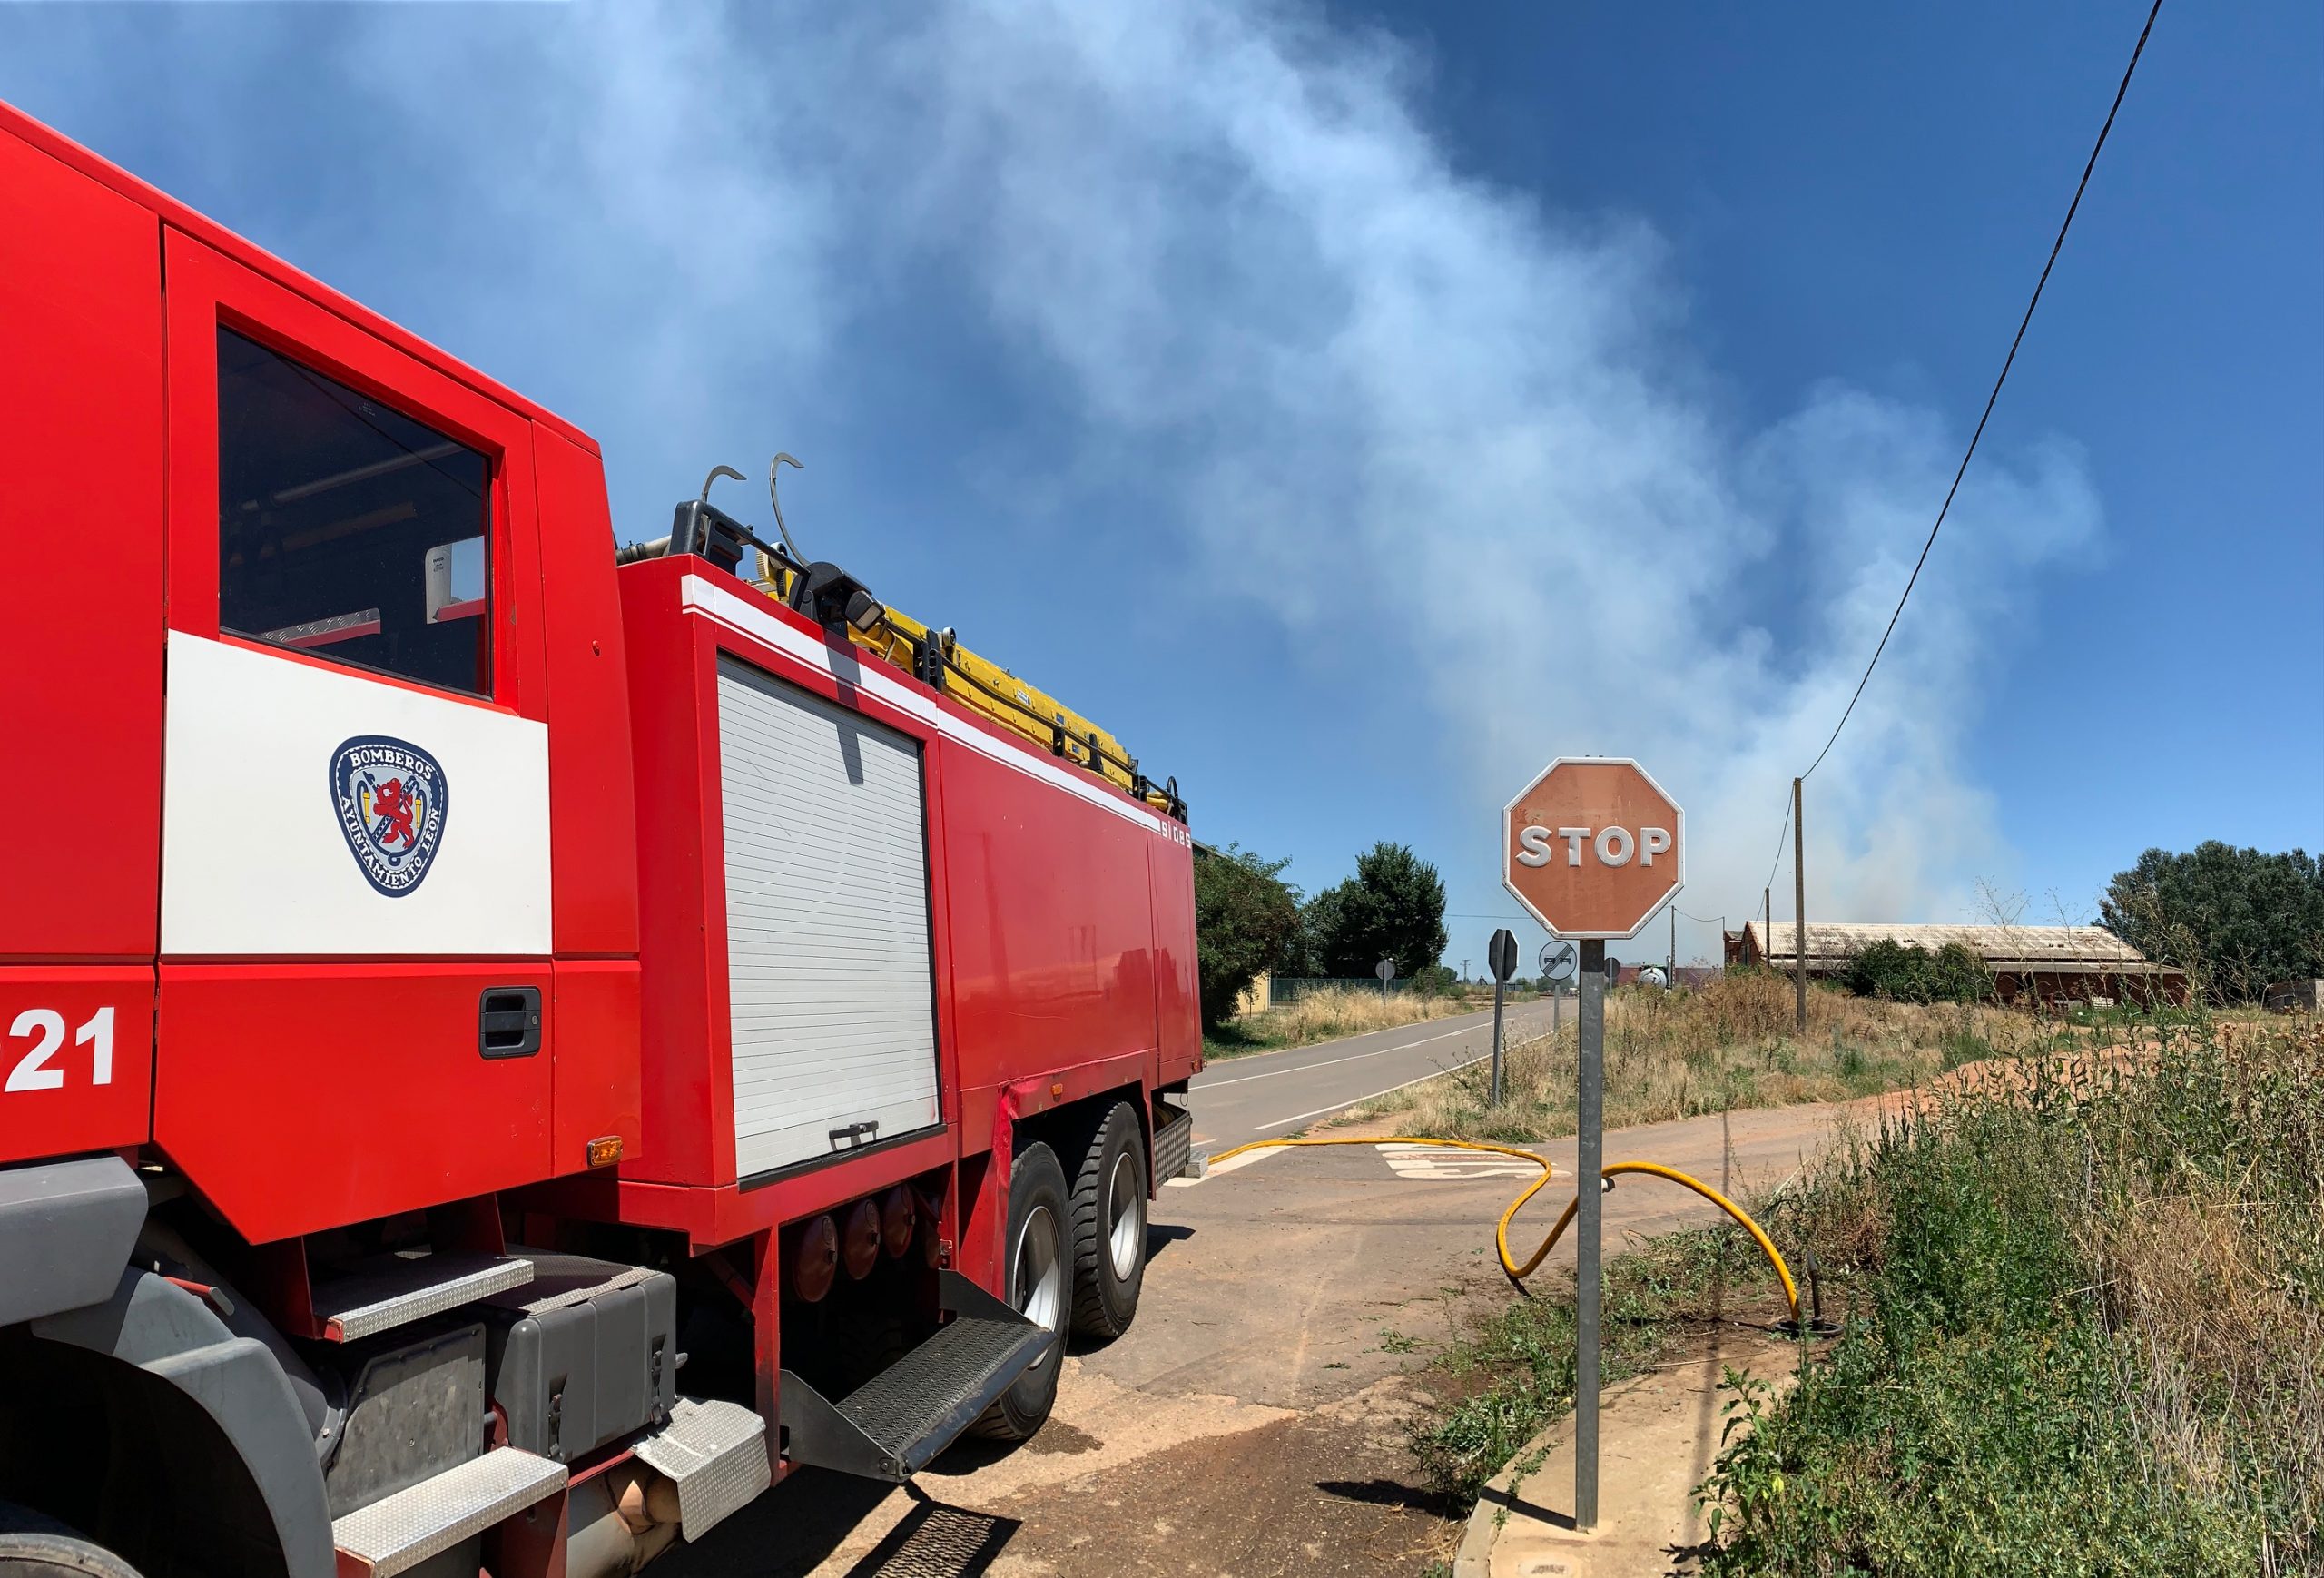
(809, 1515)
(938, 1540)
(1160, 1236)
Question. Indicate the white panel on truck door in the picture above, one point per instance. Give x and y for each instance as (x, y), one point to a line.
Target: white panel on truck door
(829, 974)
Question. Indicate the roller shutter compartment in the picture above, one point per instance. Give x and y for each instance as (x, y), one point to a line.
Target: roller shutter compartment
(830, 977)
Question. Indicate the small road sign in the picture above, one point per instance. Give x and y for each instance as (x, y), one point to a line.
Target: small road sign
(1386, 969)
(1558, 959)
(1501, 954)
(1593, 847)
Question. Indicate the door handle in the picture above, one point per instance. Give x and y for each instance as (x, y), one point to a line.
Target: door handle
(508, 1021)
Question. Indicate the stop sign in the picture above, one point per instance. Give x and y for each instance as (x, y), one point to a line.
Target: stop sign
(1593, 847)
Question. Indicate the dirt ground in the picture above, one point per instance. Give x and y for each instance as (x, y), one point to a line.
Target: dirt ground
(1254, 1420)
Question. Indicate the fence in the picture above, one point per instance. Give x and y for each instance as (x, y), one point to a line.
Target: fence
(1284, 990)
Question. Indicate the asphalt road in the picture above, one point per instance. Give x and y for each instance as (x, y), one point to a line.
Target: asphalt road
(1271, 1094)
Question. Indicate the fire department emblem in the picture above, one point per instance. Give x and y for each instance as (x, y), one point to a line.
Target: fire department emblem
(391, 798)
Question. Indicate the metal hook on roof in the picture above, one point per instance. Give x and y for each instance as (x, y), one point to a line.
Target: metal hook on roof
(715, 473)
(773, 467)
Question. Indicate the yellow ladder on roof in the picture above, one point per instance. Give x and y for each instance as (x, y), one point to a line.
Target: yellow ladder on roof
(986, 687)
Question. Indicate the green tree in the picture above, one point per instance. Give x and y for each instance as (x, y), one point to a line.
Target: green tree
(1393, 908)
(1244, 914)
(2239, 920)
(1303, 953)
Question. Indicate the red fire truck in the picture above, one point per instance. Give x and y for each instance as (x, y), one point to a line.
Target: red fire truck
(505, 1053)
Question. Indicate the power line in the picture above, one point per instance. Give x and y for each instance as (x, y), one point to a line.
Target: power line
(1782, 836)
(2007, 361)
(2122, 89)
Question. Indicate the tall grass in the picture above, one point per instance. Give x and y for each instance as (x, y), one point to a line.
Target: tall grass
(1730, 1043)
(1328, 1014)
(2087, 1334)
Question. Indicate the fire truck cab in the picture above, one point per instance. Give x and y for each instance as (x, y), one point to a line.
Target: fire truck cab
(505, 1054)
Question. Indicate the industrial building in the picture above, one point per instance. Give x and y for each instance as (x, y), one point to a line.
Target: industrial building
(2052, 964)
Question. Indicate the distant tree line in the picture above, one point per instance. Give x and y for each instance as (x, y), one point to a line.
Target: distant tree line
(2237, 920)
(1248, 920)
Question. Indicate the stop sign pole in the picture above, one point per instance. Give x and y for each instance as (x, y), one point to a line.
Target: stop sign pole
(1592, 848)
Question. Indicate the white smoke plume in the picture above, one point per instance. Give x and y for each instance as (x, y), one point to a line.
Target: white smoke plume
(1420, 420)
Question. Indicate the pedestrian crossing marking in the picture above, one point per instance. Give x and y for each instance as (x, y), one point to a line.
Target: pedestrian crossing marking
(1438, 1161)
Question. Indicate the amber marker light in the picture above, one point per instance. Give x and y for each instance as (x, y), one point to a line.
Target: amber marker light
(605, 1150)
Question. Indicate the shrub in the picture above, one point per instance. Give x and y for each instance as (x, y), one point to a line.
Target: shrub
(2086, 1334)
(1908, 972)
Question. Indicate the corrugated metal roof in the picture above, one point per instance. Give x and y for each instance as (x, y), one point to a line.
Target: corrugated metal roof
(2070, 949)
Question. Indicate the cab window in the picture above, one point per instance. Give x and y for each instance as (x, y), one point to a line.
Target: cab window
(347, 529)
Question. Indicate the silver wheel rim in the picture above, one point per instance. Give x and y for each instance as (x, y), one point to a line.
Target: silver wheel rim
(1038, 1277)
(1125, 1217)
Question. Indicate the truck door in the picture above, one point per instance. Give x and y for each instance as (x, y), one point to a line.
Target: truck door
(355, 924)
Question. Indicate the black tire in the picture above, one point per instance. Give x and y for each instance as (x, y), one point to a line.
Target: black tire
(34, 1546)
(1109, 1228)
(1037, 1270)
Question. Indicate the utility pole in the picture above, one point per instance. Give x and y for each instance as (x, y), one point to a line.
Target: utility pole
(1798, 909)
(1767, 926)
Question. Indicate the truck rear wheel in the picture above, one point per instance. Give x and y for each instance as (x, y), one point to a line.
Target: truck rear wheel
(32, 1546)
(1040, 1286)
(1109, 1228)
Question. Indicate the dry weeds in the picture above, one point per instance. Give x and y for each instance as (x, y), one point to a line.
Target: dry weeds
(1728, 1044)
(1332, 1013)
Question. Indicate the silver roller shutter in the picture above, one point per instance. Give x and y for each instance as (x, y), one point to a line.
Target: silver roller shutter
(829, 973)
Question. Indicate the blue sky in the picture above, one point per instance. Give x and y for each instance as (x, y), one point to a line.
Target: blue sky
(1355, 406)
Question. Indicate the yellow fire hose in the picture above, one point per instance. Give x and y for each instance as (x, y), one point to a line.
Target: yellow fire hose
(1516, 1273)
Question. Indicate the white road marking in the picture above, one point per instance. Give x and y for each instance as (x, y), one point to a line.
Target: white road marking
(1445, 1161)
(1356, 1100)
(1213, 1169)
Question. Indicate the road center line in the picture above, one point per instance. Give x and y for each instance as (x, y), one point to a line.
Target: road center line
(1355, 1100)
(1331, 1062)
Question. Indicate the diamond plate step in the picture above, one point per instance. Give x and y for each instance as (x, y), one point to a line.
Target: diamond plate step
(715, 1453)
(894, 1424)
(395, 1289)
(398, 1533)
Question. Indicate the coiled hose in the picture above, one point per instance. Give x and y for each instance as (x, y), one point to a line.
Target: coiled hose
(1509, 1265)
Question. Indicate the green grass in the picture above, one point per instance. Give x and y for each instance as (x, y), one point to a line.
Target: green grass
(1239, 1038)
(2086, 1334)
(1514, 1369)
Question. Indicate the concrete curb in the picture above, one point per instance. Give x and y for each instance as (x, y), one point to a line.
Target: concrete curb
(1497, 1501)
(1634, 1505)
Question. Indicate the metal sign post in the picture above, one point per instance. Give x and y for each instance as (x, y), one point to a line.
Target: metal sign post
(1386, 971)
(1588, 1161)
(1501, 954)
(1558, 961)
